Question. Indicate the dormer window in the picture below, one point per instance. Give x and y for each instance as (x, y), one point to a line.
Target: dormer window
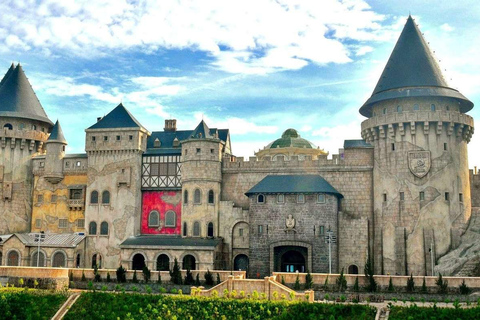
(176, 142)
(260, 198)
(156, 143)
(118, 138)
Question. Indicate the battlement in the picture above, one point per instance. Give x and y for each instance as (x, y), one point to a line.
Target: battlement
(31, 139)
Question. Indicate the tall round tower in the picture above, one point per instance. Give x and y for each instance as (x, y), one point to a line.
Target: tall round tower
(419, 129)
(24, 128)
(55, 147)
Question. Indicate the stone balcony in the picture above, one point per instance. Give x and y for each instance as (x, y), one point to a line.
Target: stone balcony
(76, 204)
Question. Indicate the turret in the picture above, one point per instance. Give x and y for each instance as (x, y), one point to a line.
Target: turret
(55, 147)
(419, 130)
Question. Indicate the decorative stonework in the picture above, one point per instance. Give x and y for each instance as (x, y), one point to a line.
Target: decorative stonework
(419, 163)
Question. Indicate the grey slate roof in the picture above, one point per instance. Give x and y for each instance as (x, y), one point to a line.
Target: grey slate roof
(57, 134)
(9, 72)
(4, 237)
(64, 240)
(293, 184)
(119, 117)
(412, 71)
(356, 144)
(201, 131)
(17, 98)
(170, 241)
(166, 140)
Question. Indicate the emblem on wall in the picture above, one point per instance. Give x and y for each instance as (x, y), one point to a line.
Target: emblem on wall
(290, 222)
(419, 163)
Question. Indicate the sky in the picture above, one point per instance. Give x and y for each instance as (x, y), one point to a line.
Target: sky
(256, 67)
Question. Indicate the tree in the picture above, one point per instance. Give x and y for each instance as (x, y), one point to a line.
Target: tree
(218, 278)
(121, 274)
(410, 284)
(97, 277)
(464, 289)
(341, 282)
(189, 278)
(208, 278)
(390, 285)
(356, 287)
(424, 286)
(146, 274)
(176, 274)
(308, 281)
(369, 274)
(197, 280)
(296, 286)
(441, 284)
(135, 279)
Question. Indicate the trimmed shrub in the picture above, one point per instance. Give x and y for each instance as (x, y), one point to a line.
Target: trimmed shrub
(208, 278)
(341, 282)
(441, 284)
(296, 286)
(369, 272)
(135, 279)
(146, 274)
(356, 287)
(189, 278)
(410, 284)
(121, 274)
(308, 281)
(464, 289)
(176, 274)
(390, 286)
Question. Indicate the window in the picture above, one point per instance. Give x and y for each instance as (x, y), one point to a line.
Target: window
(170, 219)
(240, 232)
(104, 228)
(185, 197)
(118, 138)
(384, 197)
(399, 109)
(402, 196)
(211, 197)
(198, 150)
(186, 151)
(422, 196)
(300, 198)
(432, 107)
(447, 108)
(280, 198)
(34, 127)
(260, 229)
(460, 197)
(41, 164)
(393, 146)
(210, 230)
(79, 163)
(21, 126)
(447, 196)
(94, 197)
(92, 228)
(13, 258)
(445, 146)
(76, 194)
(156, 143)
(153, 219)
(384, 110)
(105, 138)
(94, 138)
(212, 151)
(67, 164)
(130, 137)
(320, 198)
(416, 107)
(38, 259)
(62, 223)
(185, 229)
(53, 198)
(196, 229)
(80, 223)
(8, 126)
(260, 198)
(105, 197)
(322, 230)
(197, 196)
(163, 263)
(38, 223)
(40, 198)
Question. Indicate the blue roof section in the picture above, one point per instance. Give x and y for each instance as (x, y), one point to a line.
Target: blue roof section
(119, 117)
(293, 184)
(356, 144)
(57, 134)
(170, 241)
(201, 132)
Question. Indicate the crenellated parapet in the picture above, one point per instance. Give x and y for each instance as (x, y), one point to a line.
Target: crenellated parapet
(32, 140)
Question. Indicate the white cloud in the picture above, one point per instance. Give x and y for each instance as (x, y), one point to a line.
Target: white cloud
(239, 35)
(446, 27)
(236, 125)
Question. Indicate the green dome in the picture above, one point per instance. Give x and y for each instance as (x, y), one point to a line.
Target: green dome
(291, 138)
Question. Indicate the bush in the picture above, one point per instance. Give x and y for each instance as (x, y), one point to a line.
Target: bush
(159, 280)
(441, 284)
(218, 278)
(390, 286)
(176, 274)
(135, 279)
(356, 287)
(296, 286)
(146, 274)
(410, 284)
(197, 280)
(464, 289)
(424, 286)
(308, 281)
(83, 276)
(369, 272)
(189, 278)
(208, 278)
(121, 274)
(108, 277)
(341, 282)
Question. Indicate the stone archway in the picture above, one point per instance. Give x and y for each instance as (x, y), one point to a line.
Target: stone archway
(352, 269)
(240, 262)
(292, 261)
(189, 262)
(138, 262)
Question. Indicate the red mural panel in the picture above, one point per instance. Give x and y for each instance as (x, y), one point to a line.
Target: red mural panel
(161, 201)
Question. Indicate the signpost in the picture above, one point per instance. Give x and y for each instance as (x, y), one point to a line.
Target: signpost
(330, 238)
(39, 237)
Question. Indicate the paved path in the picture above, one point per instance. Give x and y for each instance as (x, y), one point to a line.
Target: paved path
(66, 306)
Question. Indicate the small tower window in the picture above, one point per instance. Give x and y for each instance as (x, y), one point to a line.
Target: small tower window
(393, 146)
(402, 196)
(416, 107)
(104, 228)
(184, 229)
(92, 228)
(384, 197)
(460, 197)
(300, 198)
(422, 196)
(447, 108)
(8, 126)
(153, 219)
(280, 198)
(447, 196)
(260, 229)
(94, 138)
(384, 110)
(185, 197)
(260, 198)
(94, 197)
(118, 138)
(321, 198)
(156, 143)
(445, 146)
(105, 197)
(196, 229)
(211, 197)
(170, 219)
(197, 196)
(399, 109)
(198, 150)
(105, 138)
(432, 107)
(210, 230)
(130, 137)
(212, 151)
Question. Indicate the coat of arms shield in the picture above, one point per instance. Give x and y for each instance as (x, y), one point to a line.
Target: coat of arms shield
(419, 163)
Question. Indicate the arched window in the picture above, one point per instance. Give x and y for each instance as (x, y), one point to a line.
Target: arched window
(38, 259)
(196, 196)
(210, 229)
(92, 228)
(260, 198)
(94, 197)
(163, 263)
(13, 258)
(185, 197)
(170, 218)
(105, 197)
(58, 260)
(399, 109)
(211, 197)
(8, 126)
(185, 229)
(104, 228)
(189, 262)
(196, 229)
(352, 269)
(97, 261)
(138, 262)
(153, 219)
(432, 107)
(77, 261)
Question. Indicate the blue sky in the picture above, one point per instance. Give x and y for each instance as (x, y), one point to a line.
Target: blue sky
(256, 67)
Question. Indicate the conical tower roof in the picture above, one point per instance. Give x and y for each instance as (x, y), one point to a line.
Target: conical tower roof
(201, 131)
(17, 98)
(412, 71)
(9, 72)
(119, 117)
(57, 134)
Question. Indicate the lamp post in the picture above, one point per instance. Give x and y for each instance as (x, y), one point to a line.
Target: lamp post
(39, 237)
(432, 259)
(330, 238)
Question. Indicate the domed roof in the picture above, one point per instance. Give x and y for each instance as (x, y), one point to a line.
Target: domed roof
(291, 138)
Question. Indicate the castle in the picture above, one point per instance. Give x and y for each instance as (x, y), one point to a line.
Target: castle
(402, 196)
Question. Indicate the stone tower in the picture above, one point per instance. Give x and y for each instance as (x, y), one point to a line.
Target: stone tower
(114, 146)
(24, 130)
(419, 130)
(201, 181)
(55, 147)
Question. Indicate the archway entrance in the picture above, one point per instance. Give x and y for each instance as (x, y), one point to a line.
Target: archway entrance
(189, 262)
(352, 269)
(58, 260)
(240, 262)
(138, 262)
(163, 263)
(292, 261)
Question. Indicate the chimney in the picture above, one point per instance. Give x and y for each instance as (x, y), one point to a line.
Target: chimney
(170, 125)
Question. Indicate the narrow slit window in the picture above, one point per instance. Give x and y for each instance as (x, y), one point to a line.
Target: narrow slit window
(402, 196)
(460, 197)
(447, 196)
(445, 146)
(384, 197)
(393, 146)
(422, 196)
